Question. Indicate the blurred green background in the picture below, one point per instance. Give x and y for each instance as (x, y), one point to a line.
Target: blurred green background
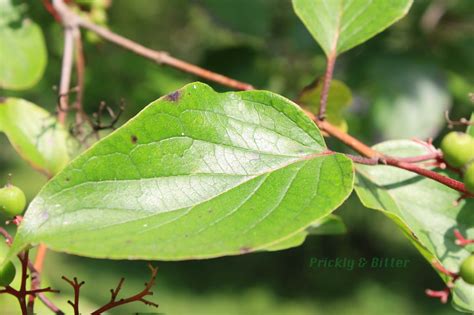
(403, 81)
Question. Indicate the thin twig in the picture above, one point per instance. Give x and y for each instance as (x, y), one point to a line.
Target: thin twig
(346, 138)
(331, 61)
(363, 160)
(461, 240)
(66, 70)
(81, 116)
(461, 122)
(447, 181)
(160, 57)
(139, 297)
(77, 287)
(24, 276)
(7, 236)
(421, 158)
(36, 276)
(163, 58)
(34, 273)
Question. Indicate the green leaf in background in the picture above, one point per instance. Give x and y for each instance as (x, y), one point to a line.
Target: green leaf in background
(339, 25)
(196, 174)
(22, 48)
(410, 99)
(35, 135)
(329, 225)
(340, 97)
(425, 210)
(230, 13)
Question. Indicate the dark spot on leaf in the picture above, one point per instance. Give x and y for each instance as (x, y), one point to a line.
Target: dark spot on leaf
(134, 139)
(67, 179)
(173, 97)
(245, 250)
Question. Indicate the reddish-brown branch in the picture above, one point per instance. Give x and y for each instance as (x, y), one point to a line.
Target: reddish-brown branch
(438, 266)
(139, 297)
(34, 273)
(159, 57)
(442, 295)
(163, 58)
(80, 70)
(77, 288)
(7, 236)
(363, 160)
(36, 276)
(347, 139)
(331, 61)
(450, 182)
(421, 158)
(461, 122)
(66, 70)
(461, 240)
(24, 276)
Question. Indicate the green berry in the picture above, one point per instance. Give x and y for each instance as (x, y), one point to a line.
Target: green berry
(7, 274)
(469, 177)
(458, 148)
(467, 270)
(12, 200)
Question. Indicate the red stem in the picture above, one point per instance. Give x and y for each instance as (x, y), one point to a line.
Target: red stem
(452, 183)
(326, 85)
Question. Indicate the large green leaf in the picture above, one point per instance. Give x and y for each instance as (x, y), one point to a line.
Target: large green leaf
(339, 25)
(35, 134)
(22, 48)
(424, 209)
(196, 174)
(339, 98)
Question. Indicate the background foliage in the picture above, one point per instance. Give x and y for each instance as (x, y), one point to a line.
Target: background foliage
(405, 77)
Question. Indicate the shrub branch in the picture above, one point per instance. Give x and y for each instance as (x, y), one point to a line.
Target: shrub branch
(68, 17)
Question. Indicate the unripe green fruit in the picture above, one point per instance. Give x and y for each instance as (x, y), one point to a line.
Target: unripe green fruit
(12, 200)
(458, 148)
(469, 177)
(467, 270)
(7, 274)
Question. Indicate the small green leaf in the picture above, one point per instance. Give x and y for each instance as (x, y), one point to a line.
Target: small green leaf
(22, 48)
(339, 25)
(424, 209)
(330, 225)
(339, 98)
(35, 135)
(196, 174)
